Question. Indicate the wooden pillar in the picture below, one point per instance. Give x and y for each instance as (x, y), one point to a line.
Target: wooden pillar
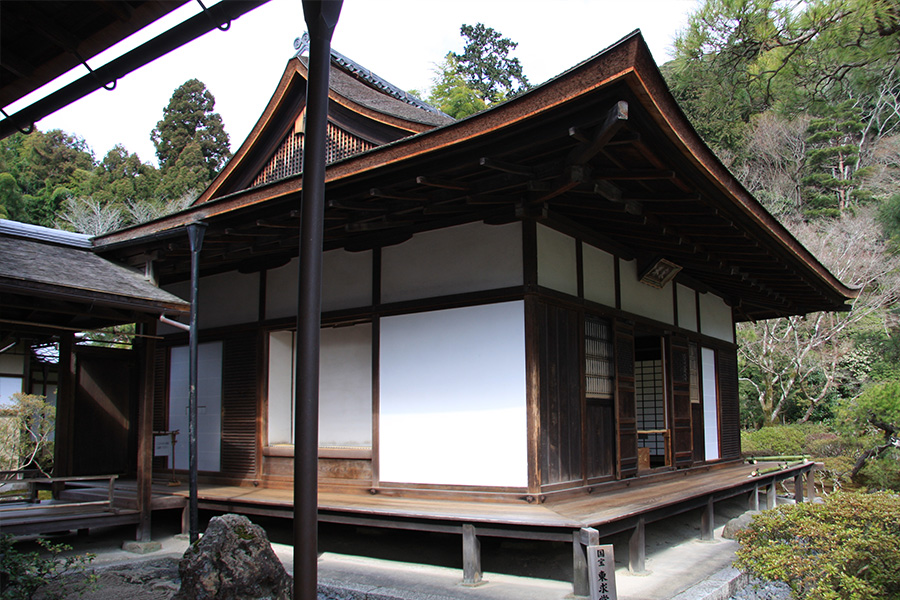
(637, 548)
(581, 539)
(754, 498)
(65, 407)
(798, 488)
(770, 495)
(708, 521)
(145, 433)
(471, 556)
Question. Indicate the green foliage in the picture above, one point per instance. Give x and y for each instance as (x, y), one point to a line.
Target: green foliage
(888, 218)
(844, 549)
(486, 67)
(26, 438)
(54, 576)
(880, 402)
(451, 94)
(794, 439)
(190, 125)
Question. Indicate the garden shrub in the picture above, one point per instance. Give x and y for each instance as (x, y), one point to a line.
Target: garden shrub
(843, 549)
(784, 440)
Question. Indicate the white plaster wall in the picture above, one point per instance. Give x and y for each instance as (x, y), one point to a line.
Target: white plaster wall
(346, 283)
(453, 397)
(346, 279)
(466, 258)
(557, 265)
(345, 387)
(281, 291)
(280, 391)
(209, 404)
(716, 318)
(642, 299)
(599, 275)
(710, 404)
(225, 299)
(687, 307)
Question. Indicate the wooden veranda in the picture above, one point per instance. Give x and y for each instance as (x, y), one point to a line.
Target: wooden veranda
(581, 519)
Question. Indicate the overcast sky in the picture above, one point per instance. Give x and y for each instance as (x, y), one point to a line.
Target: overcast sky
(400, 40)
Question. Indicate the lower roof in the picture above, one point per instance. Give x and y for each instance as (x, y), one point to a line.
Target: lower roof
(50, 278)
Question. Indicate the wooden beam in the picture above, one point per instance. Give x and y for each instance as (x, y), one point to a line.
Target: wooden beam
(379, 193)
(446, 184)
(356, 205)
(506, 167)
(614, 121)
(633, 174)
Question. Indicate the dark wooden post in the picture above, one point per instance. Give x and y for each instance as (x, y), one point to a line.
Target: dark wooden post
(321, 18)
(145, 433)
(798, 487)
(472, 573)
(65, 407)
(195, 236)
(581, 539)
(708, 521)
(637, 548)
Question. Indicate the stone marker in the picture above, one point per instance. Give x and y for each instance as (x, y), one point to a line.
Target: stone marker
(232, 561)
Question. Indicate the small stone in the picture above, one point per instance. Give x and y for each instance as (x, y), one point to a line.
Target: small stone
(232, 561)
(141, 547)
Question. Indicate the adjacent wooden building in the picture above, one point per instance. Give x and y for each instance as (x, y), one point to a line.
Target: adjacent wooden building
(524, 304)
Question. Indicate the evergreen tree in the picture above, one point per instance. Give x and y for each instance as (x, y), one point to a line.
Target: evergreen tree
(486, 66)
(189, 121)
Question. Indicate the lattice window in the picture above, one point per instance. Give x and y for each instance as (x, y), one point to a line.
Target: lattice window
(598, 358)
(288, 159)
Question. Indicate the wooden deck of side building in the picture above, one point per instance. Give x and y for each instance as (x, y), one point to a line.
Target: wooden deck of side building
(582, 519)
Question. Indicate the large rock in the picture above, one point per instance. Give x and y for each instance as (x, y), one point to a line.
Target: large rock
(232, 561)
(738, 524)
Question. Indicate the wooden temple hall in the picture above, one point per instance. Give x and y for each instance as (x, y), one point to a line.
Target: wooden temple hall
(528, 315)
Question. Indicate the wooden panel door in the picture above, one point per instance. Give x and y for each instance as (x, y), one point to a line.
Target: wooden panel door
(626, 415)
(680, 382)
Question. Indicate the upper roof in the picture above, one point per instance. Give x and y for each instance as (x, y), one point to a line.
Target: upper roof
(51, 278)
(602, 151)
(363, 107)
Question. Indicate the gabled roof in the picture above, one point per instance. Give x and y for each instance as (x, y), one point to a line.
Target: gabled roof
(360, 103)
(52, 278)
(602, 151)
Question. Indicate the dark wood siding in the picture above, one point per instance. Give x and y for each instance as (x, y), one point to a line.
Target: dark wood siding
(626, 420)
(104, 440)
(239, 406)
(729, 403)
(679, 365)
(560, 393)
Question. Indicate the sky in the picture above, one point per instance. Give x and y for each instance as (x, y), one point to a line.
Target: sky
(399, 40)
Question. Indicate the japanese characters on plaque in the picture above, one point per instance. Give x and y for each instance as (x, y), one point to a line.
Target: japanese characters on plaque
(602, 572)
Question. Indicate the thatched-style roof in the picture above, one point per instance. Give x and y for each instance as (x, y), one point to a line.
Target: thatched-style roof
(602, 151)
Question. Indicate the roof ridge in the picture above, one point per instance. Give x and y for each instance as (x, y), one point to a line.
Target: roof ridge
(46, 234)
(301, 45)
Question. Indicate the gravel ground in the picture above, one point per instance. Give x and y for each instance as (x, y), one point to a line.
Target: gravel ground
(758, 589)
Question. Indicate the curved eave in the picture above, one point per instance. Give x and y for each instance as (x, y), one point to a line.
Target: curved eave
(699, 216)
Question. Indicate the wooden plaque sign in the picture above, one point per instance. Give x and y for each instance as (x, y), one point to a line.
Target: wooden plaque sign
(602, 572)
